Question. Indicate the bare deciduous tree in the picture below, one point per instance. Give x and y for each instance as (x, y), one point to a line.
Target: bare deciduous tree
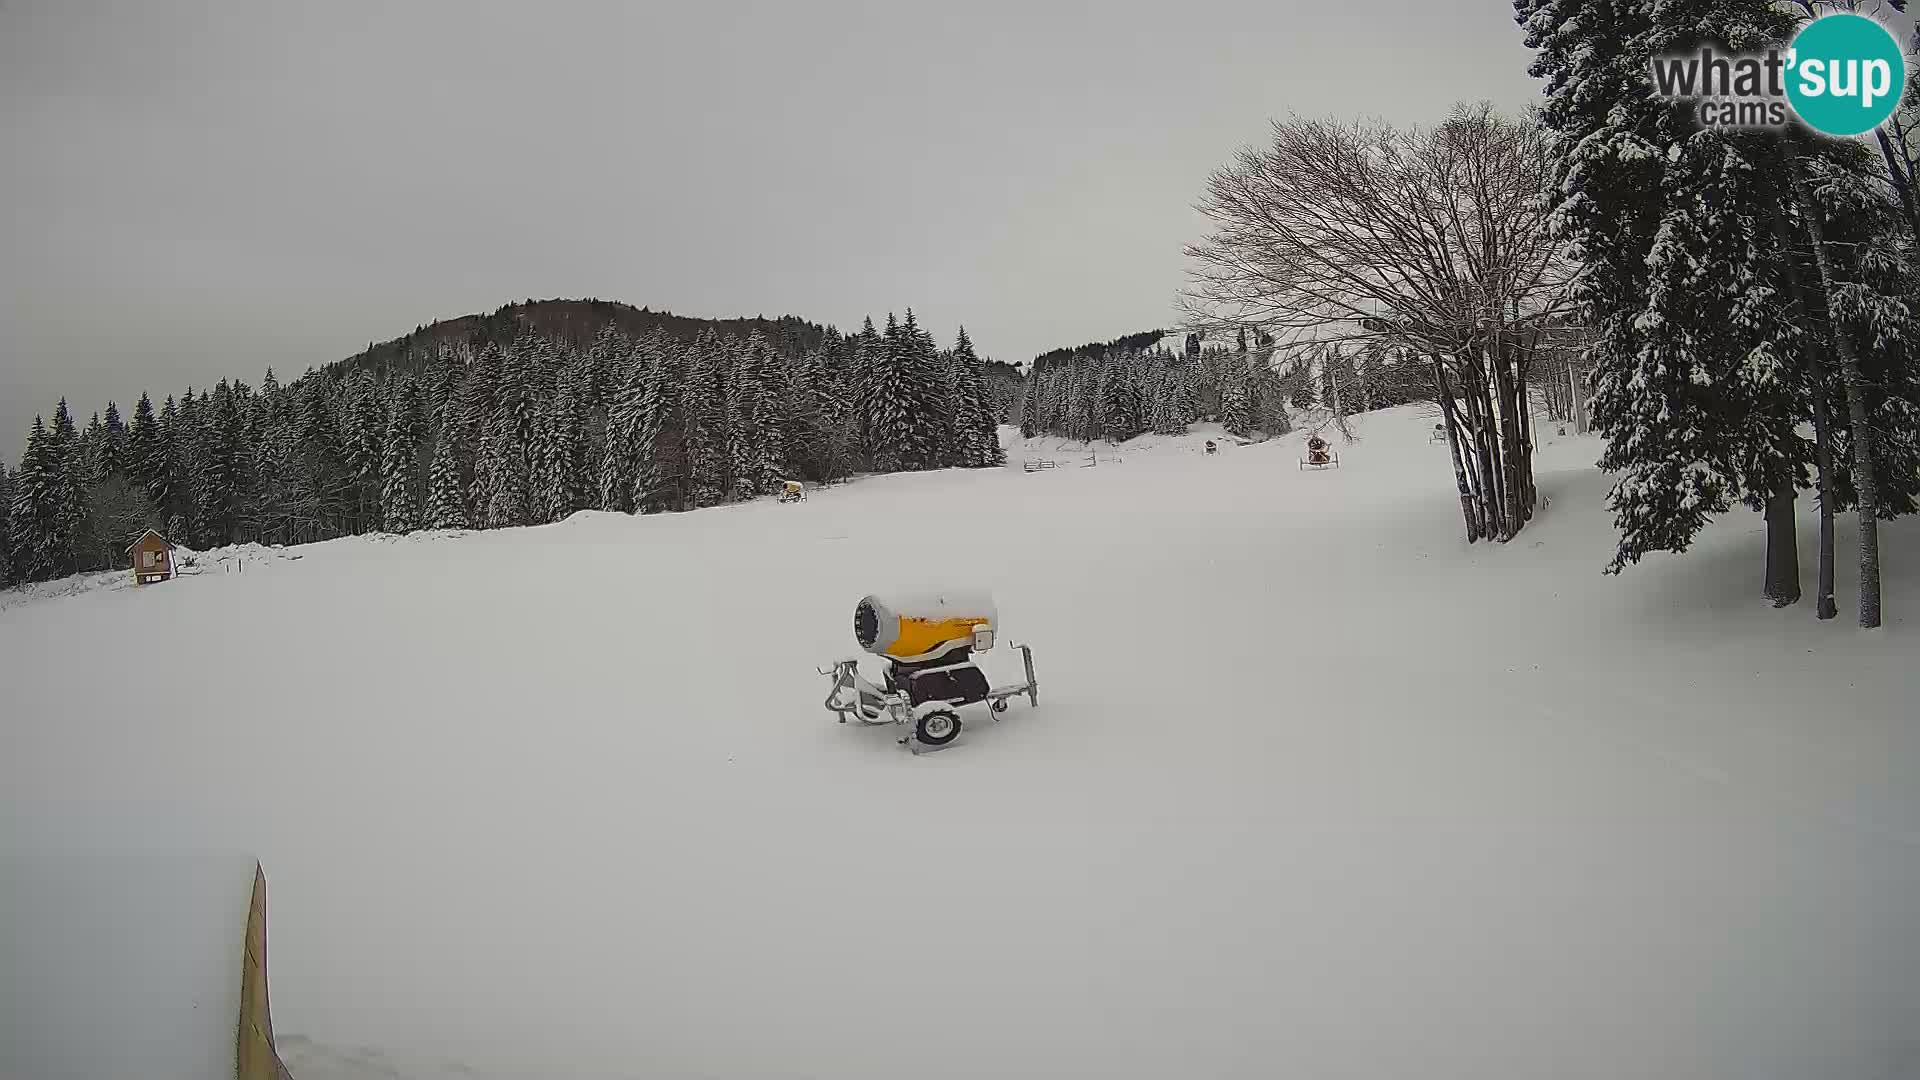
(1430, 243)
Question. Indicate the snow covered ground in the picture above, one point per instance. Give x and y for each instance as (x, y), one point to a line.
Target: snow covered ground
(1314, 789)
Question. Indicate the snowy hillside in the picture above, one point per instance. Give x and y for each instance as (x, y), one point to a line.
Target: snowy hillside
(1314, 789)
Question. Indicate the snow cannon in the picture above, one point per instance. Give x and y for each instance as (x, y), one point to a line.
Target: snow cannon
(922, 627)
(928, 641)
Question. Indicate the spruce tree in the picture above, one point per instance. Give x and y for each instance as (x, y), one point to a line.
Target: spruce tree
(755, 394)
(70, 479)
(219, 483)
(1681, 283)
(917, 383)
(6, 528)
(503, 473)
(401, 510)
(327, 498)
(1237, 404)
(764, 392)
(559, 478)
(475, 406)
(274, 459)
(362, 429)
(979, 429)
(443, 381)
(868, 351)
(144, 459)
(620, 456)
(113, 449)
(702, 408)
(446, 492)
(1030, 404)
(38, 537)
(92, 451)
(662, 478)
(890, 401)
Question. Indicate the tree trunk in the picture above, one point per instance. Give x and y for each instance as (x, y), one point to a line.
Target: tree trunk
(1823, 605)
(1480, 409)
(1506, 434)
(1783, 549)
(1864, 483)
(1523, 437)
(1469, 512)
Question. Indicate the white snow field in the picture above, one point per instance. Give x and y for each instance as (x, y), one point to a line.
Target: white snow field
(1313, 789)
(88, 988)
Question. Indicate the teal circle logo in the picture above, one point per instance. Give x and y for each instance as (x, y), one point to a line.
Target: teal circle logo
(1845, 74)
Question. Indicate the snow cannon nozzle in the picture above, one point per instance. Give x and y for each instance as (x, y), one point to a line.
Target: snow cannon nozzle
(922, 626)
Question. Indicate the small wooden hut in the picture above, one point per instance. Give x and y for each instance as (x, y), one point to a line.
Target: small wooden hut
(152, 558)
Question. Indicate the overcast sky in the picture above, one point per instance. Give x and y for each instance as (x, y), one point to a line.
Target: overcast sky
(197, 190)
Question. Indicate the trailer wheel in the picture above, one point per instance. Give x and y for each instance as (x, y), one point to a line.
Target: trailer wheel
(937, 727)
(999, 704)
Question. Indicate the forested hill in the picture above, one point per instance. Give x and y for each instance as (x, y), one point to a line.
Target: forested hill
(1129, 343)
(572, 324)
(521, 417)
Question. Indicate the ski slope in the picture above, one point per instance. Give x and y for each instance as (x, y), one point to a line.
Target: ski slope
(1314, 788)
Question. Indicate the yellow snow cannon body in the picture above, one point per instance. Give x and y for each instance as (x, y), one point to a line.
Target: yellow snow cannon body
(928, 640)
(915, 628)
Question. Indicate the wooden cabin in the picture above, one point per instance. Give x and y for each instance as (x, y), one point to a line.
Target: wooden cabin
(152, 558)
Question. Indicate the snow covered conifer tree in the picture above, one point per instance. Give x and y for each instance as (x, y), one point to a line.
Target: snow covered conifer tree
(756, 406)
(144, 462)
(547, 468)
(979, 428)
(6, 529)
(446, 494)
(662, 479)
(1030, 405)
(92, 450)
(891, 400)
(1163, 394)
(917, 385)
(702, 406)
(400, 503)
(70, 492)
(476, 402)
(362, 424)
(38, 535)
(504, 473)
(113, 451)
(953, 440)
(619, 457)
(1681, 284)
(868, 354)
(283, 485)
(166, 483)
(219, 479)
(559, 475)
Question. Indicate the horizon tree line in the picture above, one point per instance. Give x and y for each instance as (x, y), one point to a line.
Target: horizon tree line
(493, 437)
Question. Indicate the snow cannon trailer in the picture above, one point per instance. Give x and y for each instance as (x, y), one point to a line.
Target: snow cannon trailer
(1319, 455)
(928, 641)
